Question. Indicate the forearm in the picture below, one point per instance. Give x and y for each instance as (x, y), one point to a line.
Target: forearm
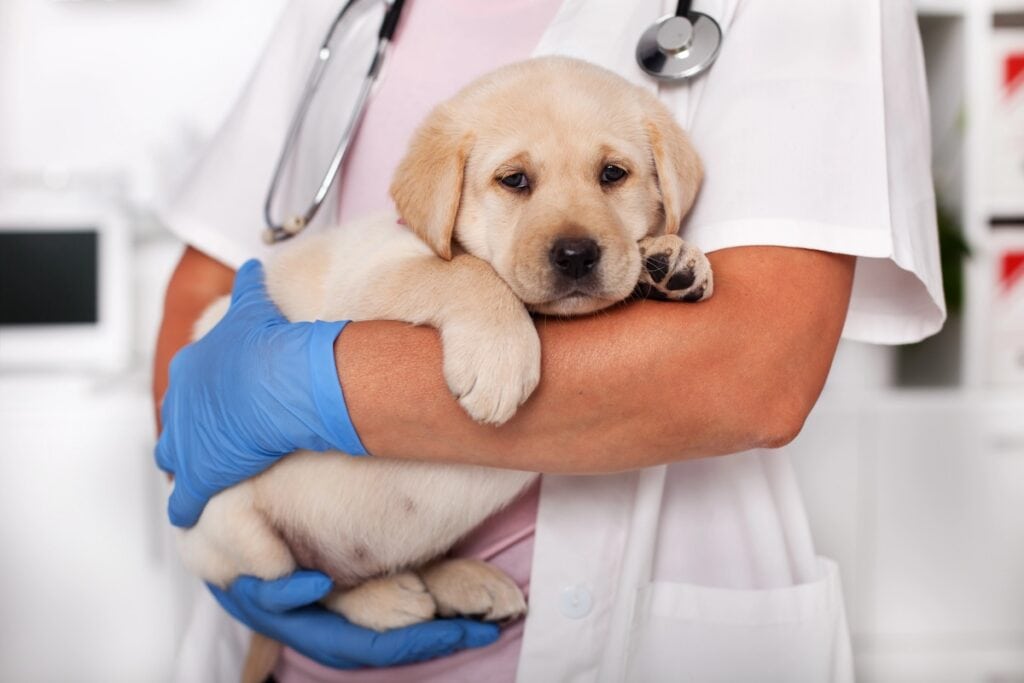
(640, 385)
(197, 281)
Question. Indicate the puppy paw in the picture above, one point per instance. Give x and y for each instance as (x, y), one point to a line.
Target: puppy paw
(385, 603)
(492, 368)
(673, 270)
(474, 589)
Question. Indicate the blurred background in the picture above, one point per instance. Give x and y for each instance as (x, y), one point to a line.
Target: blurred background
(913, 468)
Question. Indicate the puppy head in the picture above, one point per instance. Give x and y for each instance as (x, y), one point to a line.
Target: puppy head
(550, 170)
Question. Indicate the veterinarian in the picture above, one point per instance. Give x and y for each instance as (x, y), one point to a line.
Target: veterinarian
(691, 558)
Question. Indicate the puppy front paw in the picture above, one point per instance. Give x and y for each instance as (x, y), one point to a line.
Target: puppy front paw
(673, 270)
(491, 368)
(382, 604)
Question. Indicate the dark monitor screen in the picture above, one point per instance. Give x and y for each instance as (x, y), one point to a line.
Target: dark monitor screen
(48, 276)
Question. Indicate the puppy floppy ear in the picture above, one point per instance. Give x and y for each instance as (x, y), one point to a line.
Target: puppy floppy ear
(677, 165)
(427, 187)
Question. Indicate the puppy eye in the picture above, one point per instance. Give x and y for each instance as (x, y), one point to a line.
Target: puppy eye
(612, 174)
(516, 181)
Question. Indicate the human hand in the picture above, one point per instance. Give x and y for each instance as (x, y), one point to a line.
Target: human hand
(253, 389)
(285, 610)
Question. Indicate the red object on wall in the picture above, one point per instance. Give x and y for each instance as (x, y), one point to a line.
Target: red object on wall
(1012, 270)
(1013, 72)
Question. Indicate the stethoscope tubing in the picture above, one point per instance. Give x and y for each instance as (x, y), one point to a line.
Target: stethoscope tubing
(692, 51)
(277, 232)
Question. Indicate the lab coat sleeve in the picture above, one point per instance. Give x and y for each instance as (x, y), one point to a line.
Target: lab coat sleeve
(219, 207)
(813, 128)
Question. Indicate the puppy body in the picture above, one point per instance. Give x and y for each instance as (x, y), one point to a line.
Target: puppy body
(357, 518)
(501, 187)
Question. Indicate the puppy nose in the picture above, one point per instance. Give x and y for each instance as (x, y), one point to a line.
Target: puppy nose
(574, 257)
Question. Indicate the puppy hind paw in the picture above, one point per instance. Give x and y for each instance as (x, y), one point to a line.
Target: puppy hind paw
(473, 588)
(673, 270)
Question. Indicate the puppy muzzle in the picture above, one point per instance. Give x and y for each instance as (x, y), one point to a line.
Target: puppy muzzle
(574, 258)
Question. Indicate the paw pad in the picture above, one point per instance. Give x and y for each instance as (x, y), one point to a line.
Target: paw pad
(673, 270)
(657, 266)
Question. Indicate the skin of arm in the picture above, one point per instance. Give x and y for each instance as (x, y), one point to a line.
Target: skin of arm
(197, 281)
(638, 385)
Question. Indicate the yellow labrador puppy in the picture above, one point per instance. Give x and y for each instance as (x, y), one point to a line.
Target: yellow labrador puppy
(549, 186)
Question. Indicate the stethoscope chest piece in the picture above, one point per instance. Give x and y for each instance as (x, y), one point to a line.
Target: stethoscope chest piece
(678, 47)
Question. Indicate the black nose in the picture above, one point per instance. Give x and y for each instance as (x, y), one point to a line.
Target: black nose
(574, 257)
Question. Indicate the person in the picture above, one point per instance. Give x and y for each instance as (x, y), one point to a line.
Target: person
(688, 554)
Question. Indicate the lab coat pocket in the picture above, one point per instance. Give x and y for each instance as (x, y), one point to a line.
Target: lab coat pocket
(684, 632)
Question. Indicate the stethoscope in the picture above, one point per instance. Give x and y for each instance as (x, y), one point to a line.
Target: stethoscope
(673, 49)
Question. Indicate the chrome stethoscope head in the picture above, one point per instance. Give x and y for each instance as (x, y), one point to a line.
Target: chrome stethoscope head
(295, 223)
(679, 46)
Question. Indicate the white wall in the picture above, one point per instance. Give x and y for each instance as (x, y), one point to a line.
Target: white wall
(121, 84)
(90, 586)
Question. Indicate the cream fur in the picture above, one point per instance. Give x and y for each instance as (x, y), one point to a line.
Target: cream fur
(473, 262)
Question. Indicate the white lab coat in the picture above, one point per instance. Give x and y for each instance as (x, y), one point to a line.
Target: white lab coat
(814, 132)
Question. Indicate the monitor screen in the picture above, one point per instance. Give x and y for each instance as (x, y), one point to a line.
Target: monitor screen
(48, 277)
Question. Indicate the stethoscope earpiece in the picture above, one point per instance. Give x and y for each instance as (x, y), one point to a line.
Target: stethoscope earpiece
(678, 47)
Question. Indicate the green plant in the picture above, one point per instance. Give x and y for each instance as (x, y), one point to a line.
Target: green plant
(953, 249)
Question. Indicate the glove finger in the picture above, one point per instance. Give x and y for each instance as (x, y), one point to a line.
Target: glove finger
(428, 640)
(164, 453)
(249, 278)
(477, 633)
(249, 298)
(284, 594)
(184, 506)
(179, 358)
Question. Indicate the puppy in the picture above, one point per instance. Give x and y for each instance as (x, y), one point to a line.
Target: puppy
(549, 186)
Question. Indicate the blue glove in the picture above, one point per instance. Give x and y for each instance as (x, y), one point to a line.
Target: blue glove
(285, 610)
(256, 387)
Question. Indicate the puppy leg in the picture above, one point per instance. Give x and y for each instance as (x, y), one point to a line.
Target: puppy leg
(491, 348)
(385, 603)
(473, 588)
(673, 270)
(233, 538)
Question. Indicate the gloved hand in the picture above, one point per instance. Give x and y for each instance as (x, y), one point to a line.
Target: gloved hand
(285, 610)
(256, 387)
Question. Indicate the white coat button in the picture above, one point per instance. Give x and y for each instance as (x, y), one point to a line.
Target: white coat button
(576, 602)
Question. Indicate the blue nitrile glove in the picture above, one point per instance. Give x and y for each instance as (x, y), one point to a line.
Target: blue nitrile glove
(285, 610)
(253, 389)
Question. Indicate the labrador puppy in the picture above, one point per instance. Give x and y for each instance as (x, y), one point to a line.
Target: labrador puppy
(550, 186)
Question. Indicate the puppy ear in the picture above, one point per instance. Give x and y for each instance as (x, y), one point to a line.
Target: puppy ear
(427, 186)
(677, 165)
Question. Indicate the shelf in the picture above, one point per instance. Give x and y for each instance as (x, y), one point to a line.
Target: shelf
(1008, 6)
(946, 8)
(1006, 216)
(940, 8)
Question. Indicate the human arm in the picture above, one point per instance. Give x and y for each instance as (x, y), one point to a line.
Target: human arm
(640, 385)
(287, 609)
(198, 280)
(253, 388)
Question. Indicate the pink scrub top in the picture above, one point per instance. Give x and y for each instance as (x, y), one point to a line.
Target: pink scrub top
(426, 66)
